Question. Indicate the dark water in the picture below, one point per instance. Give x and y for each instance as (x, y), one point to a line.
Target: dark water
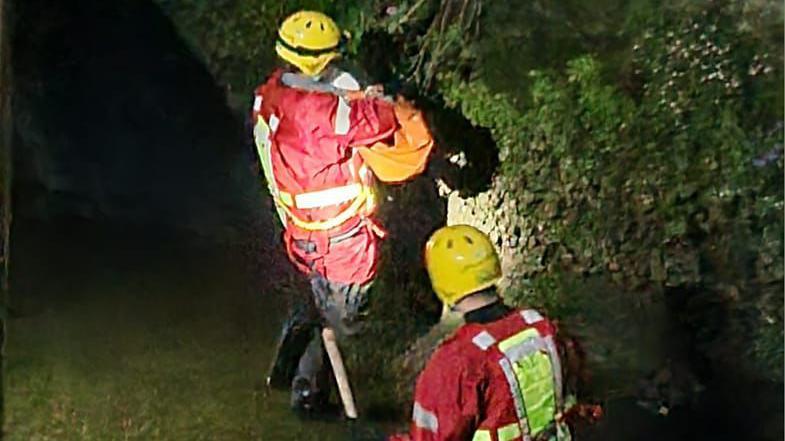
(728, 409)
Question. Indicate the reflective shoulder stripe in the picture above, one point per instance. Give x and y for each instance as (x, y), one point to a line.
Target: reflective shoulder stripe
(274, 122)
(425, 419)
(509, 432)
(342, 114)
(483, 340)
(257, 103)
(346, 81)
(525, 348)
(531, 316)
(518, 339)
(482, 435)
(515, 391)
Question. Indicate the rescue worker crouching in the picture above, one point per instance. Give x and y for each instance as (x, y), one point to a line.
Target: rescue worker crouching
(499, 376)
(322, 140)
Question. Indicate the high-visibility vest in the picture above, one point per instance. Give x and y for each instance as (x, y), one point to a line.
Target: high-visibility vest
(360, 192)
(530, 363)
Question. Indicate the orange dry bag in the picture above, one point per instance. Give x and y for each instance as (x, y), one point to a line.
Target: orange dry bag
(409, 154)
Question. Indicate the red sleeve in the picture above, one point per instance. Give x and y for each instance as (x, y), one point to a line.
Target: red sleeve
(447, 400)
(264, 93)
(371, 120)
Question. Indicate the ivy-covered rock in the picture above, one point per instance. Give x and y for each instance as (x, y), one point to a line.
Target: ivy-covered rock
(674, 184)
(642, 148)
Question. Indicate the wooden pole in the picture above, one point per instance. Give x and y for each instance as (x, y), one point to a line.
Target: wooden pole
(336, 360)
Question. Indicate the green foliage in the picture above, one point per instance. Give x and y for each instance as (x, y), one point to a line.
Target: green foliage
(643, 147)
(676, 182)
(236, 38)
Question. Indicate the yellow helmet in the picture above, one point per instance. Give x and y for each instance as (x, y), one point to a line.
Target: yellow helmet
(461, 260)
(308, 40)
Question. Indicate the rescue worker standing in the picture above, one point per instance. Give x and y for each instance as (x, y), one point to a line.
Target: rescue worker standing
(322, 140)
(499, 377)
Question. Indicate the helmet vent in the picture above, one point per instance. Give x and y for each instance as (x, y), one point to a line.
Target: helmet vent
(321, 25)
(449, 244)
(308, 24)
(468, 240)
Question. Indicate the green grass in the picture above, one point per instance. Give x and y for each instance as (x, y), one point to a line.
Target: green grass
(122, 341)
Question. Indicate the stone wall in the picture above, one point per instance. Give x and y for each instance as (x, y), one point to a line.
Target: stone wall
(495, 213)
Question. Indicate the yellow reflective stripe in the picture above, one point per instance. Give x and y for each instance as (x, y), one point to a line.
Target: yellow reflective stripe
(362, 193)
(286, 198)
(482, 435)
(509, 432)
(370, 201)
(330, 196)
(263, 142)
(366, 176)
(328, 224)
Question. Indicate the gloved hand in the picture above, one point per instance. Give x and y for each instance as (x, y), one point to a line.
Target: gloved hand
(580, 412)
(373, 91)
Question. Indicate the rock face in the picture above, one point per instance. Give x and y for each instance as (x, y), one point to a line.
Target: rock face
(494, 212)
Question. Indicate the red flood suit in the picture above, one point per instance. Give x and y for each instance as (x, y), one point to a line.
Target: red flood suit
(472, 387)
(321, 186)
(313, 138)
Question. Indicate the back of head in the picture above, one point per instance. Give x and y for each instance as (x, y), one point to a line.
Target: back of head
(308, 40)
(461, 261)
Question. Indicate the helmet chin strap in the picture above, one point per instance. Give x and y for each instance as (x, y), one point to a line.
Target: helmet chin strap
(475, 301)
